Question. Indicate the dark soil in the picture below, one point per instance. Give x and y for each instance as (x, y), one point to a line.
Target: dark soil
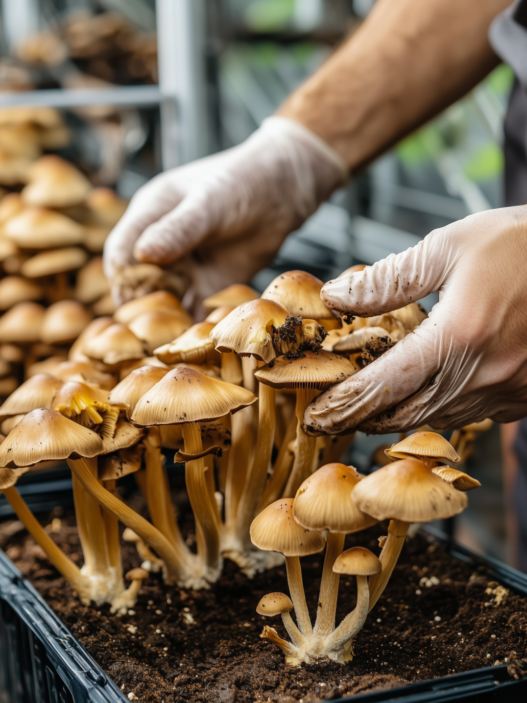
(437, 617)
(373, 350)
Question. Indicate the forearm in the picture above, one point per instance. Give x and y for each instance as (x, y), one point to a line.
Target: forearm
(409, 60)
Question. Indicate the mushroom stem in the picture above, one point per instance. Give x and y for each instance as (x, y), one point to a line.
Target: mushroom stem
(111, 524)
(335, 448)
(294, 633)
(56, 556)
(79, 495)
(211, 485)
(397, 530)
(95, 528)
(133, 589)
(269, 633)
(353, 622)
(239, 458)
(255, 483)
(282, 467)
(207, 532)
(248, 367)
(305, 445)
(329, 586)
(296, 588)
(231, 370)
(175, 571)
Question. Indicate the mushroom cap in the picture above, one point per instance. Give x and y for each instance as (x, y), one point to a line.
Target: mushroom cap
(114, 345)
(218, 314)
(91, 281)
(45, 435)
(130, 536)
(135, 364)
(158, 327)
(54, 182)
(22, 324)
(275, 530)
(95, 237)
(105, 305)
(20, 139)
(85, 371)
(48, 365)
(274, 604)
(411, 315)
(248, 329)
(14, 168)
(234, 295)
(40, 228)
(313, 370)
(15, 289)
(126, 435)
(185, 395)
(137, 574)
(116, 465)
(299, 292)
(426, 445)
(11, 205)
(7, 425)
(49, 263)
(352, 269)
(460, 480)
(132, 388)
(357, 561)
(324, 501)
(106, 205)
(92, 330)
(72, 397)
(9, 477)
(159, 300)
(482, 426)
(193, 346)
(359, 338)
(11, 353)
(64, 321)
(36, 392)
(407, 490)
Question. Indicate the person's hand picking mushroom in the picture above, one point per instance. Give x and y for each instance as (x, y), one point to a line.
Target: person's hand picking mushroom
(467, 360)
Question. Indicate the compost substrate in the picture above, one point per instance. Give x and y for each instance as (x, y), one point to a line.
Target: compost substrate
(438, 616)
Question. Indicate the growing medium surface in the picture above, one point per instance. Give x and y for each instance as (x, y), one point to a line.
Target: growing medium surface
(437, 617)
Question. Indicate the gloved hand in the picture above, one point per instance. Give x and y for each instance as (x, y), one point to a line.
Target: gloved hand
(468, 359)
(219, 220)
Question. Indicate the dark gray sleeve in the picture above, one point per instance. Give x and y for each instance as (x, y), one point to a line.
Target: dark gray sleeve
(508, 37)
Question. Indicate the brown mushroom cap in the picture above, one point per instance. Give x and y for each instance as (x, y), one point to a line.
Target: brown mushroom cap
(91, 281)
(116, 465)
(63, 322)
(131, 389)
(407, 490)
(114, 345)
(299, 292)
(158, 301)
(274, 604)
(424, 445)
(185, 395)
(128, 366)
(248, 329)
(357, 561)
(15, 289)
(126, 436)
(45, 435)
(20, 139)
(360, 338)
(218, 314)
(193, 346)
(22, 324)
(85, 371)
(234, 295)
(14, 168)
(460, 480)
(36, 392)
(159, 327)
(49, 263)
(105, 305)
(54, 182)
(411, 315)
(106, 206)
(11, 205)
(40, 228)
(48, 366)
(9, 477)
(324, 501)
(92, 330)
(137, 574)
(313, 370)
(275, 530)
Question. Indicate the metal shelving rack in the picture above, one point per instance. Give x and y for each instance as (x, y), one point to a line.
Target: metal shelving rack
(180, 94)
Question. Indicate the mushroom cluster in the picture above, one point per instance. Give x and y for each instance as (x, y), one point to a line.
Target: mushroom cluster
(415, 487)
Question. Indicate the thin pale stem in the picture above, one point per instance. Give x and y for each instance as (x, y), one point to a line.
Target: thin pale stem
(211, 485)
(95, 527)
(296, 636)
(305, 445)
(272, 635)
(336, 447)
(390, 554)
(111, 524)
(352, 623)
(248, 368)
(284, 461)
(231, 369)
(239, 461)
(296, 588)
(329, 586)
(79, 495)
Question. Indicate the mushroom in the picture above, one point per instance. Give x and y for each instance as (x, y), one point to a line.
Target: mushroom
(299, 292)
(234, 295)
(150, 562)
(91, 283)
(357, 340)
(85, 371)
(218, 314)
(92, 330)
(15, 289)
(411, 315)
(279, 604)
(63, 322)
(22, 324)
(430, 447)
(36, 392)
(48, 366)
(460, 481)
(40, 228)
(114, 345)
(324, 501)
(106, 206)
(14, 168)
(87, 405)
(405, 491)
(56, 263)
(359, 562)
(105, 305)
(158, 327)
(275, 530)
(194, 346)
(136, 576)
(54, 182)
(159, 301)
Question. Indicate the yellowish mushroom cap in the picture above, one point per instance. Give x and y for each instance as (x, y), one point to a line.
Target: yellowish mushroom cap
(36, 392)
(185, 395)
(312, 370)
(91, 282)
(14, 168)
(218, 314)
(159, 301)
(324, 501)
(45, 435)
(64, 321)
(15, 289)
(49, 263)
(92, 330)
(424, 445)
(411, 315)
(137, 574)
(159, 327)
(194, 346)
(299, 292)
(276, 530)
(114, 345)
(54, 182)
(274, 604)
(106, 206)
(131, 389)
(234, 295)
(9, 477)
(40, 228)
(460, 480)
(357, 561)
(407, 490)
(118, 464)
(85, 371)
(11, 205)
(22, 324)
(126, 436)
(87, 405)
(105, 305)
(248, 330)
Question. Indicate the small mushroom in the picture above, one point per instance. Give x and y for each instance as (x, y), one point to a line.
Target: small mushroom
(430, 447)
(299, 292)
(460, 480)
(159, 301)
(234, 295)
(136, 576)
(279, 604)
(194, 346)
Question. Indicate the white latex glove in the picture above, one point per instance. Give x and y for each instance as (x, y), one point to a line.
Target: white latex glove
(219, 220)
(468, 359)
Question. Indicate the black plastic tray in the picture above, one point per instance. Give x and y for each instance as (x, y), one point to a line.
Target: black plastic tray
(41, 661)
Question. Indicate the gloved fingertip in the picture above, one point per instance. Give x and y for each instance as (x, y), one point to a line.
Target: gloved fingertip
(335, 294)
(148, 252)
